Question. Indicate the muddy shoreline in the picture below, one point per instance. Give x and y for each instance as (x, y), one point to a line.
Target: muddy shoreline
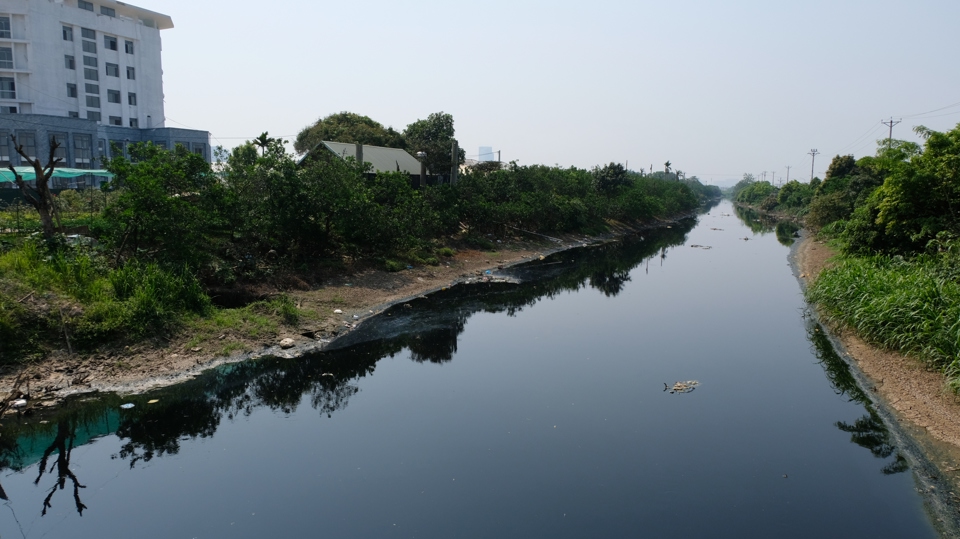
(921, 414)
(345, 302)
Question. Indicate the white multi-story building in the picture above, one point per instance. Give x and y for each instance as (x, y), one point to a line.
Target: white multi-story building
(87, 74)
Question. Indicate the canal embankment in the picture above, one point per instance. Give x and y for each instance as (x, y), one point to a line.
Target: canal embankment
(915, 401)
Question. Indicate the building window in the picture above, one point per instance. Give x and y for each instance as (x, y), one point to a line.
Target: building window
(82, 151)
(108, 11)
(110, 43)
(69, 62)
(93, 101)
(116, 120)
(73, 114)
(90, 61)
(6, 58)
(200, 148)
(4, 149)
(91, 88)
(71, 90)
(128, 46)
(87, 33)
(113, 70)
(93, 115)
(8, 88)
(134, 122)
(131, 73)
(8, 110)
(113, 96)
(68, 33)
(5, 28)
(90, 46)
(90, 74)
(29, 143)
(131, 98)
(85, 5)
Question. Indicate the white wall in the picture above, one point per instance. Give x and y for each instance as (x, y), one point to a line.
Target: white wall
(40, 70)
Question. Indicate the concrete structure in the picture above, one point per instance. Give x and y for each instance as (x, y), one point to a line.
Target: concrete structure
(87, 74)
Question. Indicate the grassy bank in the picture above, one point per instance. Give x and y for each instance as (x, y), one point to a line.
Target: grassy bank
(910, 306)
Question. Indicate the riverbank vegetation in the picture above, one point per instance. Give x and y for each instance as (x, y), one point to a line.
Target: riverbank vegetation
(895, 219)
(174, 242)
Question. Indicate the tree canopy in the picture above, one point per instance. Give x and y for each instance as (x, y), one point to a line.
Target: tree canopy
(434, 136)
(348, 127)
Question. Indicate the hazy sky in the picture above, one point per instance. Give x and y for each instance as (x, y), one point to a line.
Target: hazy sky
(718, 88)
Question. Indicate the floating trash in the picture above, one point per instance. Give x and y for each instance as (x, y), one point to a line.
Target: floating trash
(153, 401)
(127, 406)
(488, 272)
(704, 247)
(681, 387)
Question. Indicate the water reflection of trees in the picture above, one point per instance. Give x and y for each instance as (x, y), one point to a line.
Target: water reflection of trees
(761, 223)
(868, 431)
(429, 329)
(63, 445)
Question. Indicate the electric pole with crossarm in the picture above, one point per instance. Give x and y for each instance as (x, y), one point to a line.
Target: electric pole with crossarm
(890, 124)
(813, 153)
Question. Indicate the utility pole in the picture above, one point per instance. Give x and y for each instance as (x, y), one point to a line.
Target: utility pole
(788, 174)
(813, 153)
(890, 124)
(454, 162)
(498, 156)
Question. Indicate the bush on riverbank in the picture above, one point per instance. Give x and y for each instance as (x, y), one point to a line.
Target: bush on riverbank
(170, 228)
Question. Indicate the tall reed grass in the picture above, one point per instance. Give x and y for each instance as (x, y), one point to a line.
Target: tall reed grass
(907, 306)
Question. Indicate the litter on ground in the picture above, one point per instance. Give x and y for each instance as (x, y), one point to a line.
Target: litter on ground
(681, 387)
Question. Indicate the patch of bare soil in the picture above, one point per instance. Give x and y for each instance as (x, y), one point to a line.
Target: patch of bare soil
(918, 396)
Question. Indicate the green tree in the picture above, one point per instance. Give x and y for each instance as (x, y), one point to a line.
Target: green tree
(347, 127)
(611, 178)
(168, 209)
(841, 167)
(921, 197)
(434, 136)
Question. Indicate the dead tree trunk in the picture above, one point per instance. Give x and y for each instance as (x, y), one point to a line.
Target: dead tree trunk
(40, 197)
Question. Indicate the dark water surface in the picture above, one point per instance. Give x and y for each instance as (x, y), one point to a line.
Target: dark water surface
(500, 410)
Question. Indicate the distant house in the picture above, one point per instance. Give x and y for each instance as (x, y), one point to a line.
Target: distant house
(382, 159)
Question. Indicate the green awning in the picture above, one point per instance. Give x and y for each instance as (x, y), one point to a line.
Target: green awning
(28, 174)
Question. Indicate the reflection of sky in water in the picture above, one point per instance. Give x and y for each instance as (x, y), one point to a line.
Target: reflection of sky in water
(530, 410)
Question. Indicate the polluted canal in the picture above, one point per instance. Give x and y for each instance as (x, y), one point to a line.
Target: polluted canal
(669, 385)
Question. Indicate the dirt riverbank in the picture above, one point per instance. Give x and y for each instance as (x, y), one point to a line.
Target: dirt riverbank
(337, 306)
(918, 397)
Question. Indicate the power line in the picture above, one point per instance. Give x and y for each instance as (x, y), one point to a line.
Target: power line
(931, 111)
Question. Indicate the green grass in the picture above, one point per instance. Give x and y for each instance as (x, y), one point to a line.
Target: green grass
(134, 300)
(906, 306)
